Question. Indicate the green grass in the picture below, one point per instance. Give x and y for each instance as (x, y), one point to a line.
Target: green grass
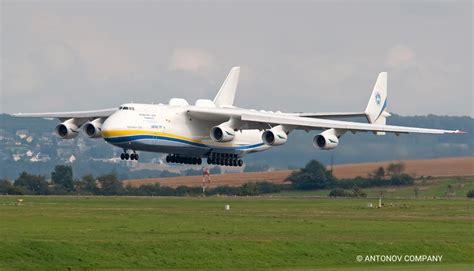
(433, 188)
(257, 233)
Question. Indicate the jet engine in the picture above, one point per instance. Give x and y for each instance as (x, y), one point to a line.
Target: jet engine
(222, 133)
(93, 129)
(326, 140)
(67, 129)
(275, 136)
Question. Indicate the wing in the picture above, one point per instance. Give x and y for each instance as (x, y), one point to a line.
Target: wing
(252, 118)
(73, 114)
(332, 115)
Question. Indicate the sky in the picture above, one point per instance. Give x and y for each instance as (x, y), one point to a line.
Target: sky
(311, 56)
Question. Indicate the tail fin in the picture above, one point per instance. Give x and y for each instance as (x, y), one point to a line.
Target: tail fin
(226, 95)
(376, 110)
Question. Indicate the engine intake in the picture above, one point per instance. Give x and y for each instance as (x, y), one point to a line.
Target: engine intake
(67, 129)
(275, 136)
(93, 129)
(326, 140)
(222, 133)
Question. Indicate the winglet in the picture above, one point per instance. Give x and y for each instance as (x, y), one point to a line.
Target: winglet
(226, 95)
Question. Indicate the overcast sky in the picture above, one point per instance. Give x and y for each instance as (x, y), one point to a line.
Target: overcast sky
(309, 56)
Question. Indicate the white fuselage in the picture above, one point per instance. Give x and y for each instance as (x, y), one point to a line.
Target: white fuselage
(169, 129)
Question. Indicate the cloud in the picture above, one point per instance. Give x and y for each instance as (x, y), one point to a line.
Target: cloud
(190, 59)
(400, 55)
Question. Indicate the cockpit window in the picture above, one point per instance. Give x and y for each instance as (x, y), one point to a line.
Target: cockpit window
(126, 108)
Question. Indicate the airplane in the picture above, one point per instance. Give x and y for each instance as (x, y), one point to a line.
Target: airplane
(218, 131)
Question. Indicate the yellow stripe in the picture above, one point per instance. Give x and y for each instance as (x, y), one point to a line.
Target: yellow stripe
(118, 133)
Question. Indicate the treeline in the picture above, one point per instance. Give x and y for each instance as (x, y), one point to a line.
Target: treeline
(62, 183)
(313, 176)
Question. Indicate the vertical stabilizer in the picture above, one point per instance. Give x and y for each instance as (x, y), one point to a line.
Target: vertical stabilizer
(376, 110)
(226, 95)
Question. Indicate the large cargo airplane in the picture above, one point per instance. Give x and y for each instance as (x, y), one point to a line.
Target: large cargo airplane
(216, 130)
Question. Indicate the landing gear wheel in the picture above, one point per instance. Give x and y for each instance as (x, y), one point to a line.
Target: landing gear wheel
(122, 156)
(240, 162)
(127, 156)
(136, 156)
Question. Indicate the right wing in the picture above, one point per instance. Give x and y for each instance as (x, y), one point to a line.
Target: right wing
(264, 120)
(332, 115)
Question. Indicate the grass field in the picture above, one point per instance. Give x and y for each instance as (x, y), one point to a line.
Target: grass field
(453, 187)
(257, 233)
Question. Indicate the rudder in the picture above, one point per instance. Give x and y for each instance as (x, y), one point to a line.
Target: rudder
(376, 110)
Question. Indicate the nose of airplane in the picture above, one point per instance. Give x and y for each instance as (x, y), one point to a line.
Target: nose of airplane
(111, 125)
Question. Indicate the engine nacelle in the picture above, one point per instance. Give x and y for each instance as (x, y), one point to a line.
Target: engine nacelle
(67, 129)
(222, 133)
(275, 136)
(326, 140)
(93, 129)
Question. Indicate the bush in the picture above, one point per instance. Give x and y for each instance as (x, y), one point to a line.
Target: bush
(339, 192)
(470, 194)
(358, 193)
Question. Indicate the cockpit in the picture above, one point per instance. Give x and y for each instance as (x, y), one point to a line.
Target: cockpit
(126, 108)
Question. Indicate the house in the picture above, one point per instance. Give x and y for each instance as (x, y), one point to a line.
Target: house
(22, 133)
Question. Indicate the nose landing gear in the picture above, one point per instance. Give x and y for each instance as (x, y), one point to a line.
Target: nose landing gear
(126, 156)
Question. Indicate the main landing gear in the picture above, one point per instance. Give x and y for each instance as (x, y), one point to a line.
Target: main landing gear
(126, 156)
(225, 159)
(174, 158)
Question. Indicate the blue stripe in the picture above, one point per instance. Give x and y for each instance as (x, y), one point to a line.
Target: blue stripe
(122, 139)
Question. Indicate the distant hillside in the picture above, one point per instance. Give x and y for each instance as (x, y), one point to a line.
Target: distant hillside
(24, 140)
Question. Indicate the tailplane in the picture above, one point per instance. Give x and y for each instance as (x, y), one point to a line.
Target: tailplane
(376, 110)
(226, 95)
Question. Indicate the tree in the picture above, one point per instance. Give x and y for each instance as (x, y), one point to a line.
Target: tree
(110, 185)
(395, 168)
(313, 176)
(7, 188)
(379, 173)
(62, 176)
(249, 189)
(401, 179)
(87, 184)
(32, 184)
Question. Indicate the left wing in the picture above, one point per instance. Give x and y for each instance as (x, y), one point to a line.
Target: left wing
(103, 113)
(252, 118)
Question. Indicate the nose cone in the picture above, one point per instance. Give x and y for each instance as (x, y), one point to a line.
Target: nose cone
(111, 126)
